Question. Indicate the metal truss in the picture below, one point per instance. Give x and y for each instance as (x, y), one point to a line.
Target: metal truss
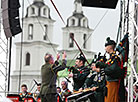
(3, 60)
(131, 24)
(3, 64)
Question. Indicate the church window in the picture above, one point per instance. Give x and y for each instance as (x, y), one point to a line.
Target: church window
(33, 10)
(27, 59)
(73, 22)
(71, 44)
(85, 40)
(30, 32)
(44, 11)
(84, 22)
(45, 32)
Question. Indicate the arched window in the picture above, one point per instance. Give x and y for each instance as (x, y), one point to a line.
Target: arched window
(73, 22)
(30, 32)
(84, 22)
(44, 11)
(46, 31)
(27, 62)
(71, 44)
(33, 10)
(84, 39)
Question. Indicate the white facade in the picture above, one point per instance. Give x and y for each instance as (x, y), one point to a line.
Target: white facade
(37, 41)
(38, 38)
(77, 26)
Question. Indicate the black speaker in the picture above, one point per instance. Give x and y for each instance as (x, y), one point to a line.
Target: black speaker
(10, 16)
(100, 3)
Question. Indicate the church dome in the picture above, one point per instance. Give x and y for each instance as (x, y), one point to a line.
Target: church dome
(78, 19)
(38, 8)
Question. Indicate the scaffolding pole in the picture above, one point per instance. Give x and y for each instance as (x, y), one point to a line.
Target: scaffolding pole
(3, 58)
(133, 29)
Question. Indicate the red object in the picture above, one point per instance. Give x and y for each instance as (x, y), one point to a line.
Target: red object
(13, 98)
(58, 99)
(66, 100)
(28, 100)
(39, 100)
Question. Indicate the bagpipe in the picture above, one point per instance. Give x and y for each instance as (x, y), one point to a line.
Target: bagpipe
(84, 70)
(120, 54)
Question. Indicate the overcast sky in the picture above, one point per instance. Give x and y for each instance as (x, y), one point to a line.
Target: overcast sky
(107, 27)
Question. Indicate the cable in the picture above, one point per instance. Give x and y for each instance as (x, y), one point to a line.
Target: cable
(21, 48)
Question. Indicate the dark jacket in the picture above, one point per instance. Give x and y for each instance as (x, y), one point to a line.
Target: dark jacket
(89, 80)
(99, 82)
(65, 94)
(79, 76)
(113, 69)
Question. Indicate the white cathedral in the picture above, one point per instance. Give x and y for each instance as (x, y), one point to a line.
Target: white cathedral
(38, 39)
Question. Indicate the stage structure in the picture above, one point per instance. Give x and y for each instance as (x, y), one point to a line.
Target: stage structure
(3, 60)
(133, 33)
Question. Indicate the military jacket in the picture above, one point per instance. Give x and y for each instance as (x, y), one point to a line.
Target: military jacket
(65, 94)
(89, 80)
(48, 74)
(99, 82)
(79, 76)
(113, 68)
(23, 96)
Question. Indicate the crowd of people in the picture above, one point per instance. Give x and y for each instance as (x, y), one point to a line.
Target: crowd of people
(102, 77)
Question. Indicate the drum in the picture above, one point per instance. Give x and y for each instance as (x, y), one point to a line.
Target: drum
(84, 96)
(74, 96)
(14, 97)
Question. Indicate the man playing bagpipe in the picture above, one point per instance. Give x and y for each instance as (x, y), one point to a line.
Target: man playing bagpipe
(79, 72)
(114, 70)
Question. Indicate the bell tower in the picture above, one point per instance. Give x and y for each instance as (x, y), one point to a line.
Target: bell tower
(37, 41)
(78, 27)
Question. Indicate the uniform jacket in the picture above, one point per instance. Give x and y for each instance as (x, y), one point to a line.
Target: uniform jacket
(79, 76)
(113, 69)
(48, 74)
(65, 94)
(99, 82)
(89, 80)
(23, 96)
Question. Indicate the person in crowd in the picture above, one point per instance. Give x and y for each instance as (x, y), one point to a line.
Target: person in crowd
(59, 94)
(24, 94)
(37, 93)
(66, 92)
